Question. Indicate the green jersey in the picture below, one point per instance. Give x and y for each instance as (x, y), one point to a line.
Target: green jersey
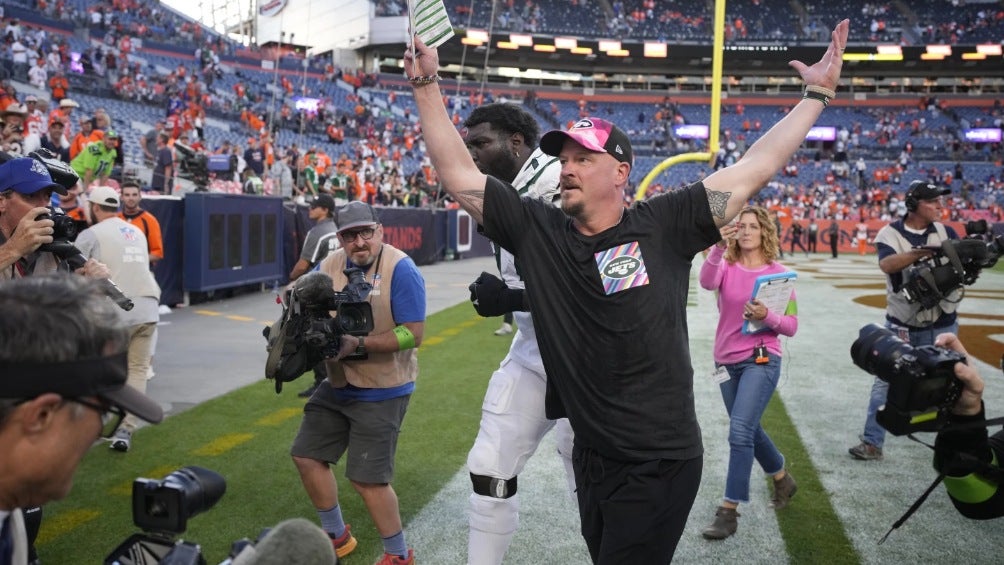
(96, 158)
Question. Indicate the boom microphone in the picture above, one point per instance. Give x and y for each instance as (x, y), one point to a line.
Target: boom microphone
(315, 287)
(293, 542)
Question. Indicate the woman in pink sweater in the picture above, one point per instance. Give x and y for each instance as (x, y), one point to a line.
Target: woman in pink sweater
(751, 363)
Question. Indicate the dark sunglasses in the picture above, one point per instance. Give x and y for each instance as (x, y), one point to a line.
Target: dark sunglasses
(111, 416)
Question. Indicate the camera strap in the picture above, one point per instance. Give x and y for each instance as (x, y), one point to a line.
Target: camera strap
(916, 505)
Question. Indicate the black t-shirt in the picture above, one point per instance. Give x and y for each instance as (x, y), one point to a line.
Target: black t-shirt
(610, 312)
(165, 159)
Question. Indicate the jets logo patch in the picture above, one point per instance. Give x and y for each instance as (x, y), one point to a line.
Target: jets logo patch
(621, 267)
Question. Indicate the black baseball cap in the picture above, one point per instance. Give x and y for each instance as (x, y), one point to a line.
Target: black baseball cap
(594, 134)
(323, 201)
(924, 190)
(104, 377)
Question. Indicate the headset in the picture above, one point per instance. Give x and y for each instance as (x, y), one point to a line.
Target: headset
(911, 201)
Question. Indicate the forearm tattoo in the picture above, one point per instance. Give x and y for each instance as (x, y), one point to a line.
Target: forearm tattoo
(718, 201)
(474, 198)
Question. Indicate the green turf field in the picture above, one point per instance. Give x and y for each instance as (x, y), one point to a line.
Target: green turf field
(245, 436)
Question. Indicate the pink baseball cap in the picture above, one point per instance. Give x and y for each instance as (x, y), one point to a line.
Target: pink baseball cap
(594, 134)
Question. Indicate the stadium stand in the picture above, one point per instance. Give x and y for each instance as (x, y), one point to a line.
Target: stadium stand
(225, 88)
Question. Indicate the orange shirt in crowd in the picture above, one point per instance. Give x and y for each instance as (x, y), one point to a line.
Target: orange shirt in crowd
(58, 85)
(80, 141)
(151, 228)
(323, 163)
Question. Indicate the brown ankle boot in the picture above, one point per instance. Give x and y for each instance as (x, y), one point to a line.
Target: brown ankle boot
(784, 489)
(724, 525)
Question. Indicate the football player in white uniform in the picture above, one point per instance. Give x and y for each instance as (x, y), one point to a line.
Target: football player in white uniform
(502, 139)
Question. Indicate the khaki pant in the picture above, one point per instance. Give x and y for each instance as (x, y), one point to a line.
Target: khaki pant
(140, 352)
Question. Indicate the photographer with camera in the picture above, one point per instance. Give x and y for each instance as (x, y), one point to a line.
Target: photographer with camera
(26, 224)
(62, 386)
(964, 455)
(900, 245)
(361, 406)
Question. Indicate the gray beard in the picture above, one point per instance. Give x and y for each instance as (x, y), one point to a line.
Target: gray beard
(573, 210)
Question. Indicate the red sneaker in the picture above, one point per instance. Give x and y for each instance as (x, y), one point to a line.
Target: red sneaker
(345, 543)
(391, 559)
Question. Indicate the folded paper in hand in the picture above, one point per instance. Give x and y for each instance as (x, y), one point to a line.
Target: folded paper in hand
(431, 22)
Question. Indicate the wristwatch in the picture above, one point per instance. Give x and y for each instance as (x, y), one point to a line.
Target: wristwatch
(361, 346)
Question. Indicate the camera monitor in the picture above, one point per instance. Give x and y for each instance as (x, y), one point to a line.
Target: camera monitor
(219, 164)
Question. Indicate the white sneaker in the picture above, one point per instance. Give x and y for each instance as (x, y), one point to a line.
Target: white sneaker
(122, 440)
(506, 329)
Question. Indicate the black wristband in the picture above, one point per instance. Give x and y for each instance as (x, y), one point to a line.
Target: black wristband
(817, 96)
(514, 300)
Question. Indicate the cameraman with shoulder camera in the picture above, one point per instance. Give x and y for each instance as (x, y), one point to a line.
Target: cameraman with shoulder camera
(900, 245)
(361, 406)
(62, 386)
(964, 455)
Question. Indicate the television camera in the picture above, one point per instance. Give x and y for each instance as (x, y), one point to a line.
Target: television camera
(192, 165)
(306, 333)
(956, 262)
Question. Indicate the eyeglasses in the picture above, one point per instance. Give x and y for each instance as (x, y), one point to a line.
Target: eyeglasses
(111, 416)
(350, 236)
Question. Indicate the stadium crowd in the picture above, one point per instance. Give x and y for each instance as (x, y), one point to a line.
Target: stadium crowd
(357, 138)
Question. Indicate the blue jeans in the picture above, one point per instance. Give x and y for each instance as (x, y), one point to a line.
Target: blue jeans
(746, 395)
(874, 433)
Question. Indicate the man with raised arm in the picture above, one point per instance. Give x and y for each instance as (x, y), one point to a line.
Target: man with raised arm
(607, 286)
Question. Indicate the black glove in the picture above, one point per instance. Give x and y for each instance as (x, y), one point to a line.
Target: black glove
(491, 297)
